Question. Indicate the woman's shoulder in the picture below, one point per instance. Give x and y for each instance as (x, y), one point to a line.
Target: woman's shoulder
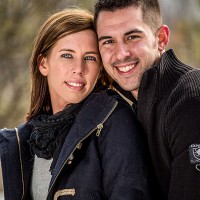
(6, 133)
(99, 105)
(110, 100)
(123, 105)
(108, 95)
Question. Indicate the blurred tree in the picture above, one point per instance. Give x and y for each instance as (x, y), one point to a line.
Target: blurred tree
(183, 18)
(186, 41)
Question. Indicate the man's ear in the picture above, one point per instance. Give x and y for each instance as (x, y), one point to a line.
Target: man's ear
(163, 34)
(43, 65)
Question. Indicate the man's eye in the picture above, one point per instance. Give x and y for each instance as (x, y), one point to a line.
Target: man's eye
(108, 42)
(67, 55)
(92, 58)
(132, 37)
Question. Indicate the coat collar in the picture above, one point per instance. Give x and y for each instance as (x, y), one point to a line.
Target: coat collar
(94, 110)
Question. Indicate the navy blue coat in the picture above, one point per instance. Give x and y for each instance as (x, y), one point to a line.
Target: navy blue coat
(108, 156)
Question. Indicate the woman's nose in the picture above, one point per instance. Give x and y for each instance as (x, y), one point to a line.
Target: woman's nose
(79, 67)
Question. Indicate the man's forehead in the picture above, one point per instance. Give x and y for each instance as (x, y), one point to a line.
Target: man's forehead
(118, 21)
(119, 16)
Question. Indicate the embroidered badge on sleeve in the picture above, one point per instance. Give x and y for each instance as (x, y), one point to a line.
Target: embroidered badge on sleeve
(194, 152)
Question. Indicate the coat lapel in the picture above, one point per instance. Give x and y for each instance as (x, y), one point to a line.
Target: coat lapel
(94, 110)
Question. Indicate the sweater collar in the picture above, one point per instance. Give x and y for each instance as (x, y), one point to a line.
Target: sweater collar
(169, 69)
(167, 72)
(159, 81)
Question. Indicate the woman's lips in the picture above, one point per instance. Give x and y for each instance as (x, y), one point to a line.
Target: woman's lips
(75, 85)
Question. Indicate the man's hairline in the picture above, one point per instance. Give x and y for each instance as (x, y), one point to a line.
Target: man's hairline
(116, 9)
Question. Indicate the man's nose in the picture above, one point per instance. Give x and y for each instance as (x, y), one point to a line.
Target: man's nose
(122, 51)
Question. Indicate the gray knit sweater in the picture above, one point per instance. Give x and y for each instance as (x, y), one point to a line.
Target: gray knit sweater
(41, 178)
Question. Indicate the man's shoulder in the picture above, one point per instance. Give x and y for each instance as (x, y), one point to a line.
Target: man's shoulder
(186, 91)
(189, 84)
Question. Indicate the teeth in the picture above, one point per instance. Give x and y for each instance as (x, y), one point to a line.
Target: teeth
(126, 69)
(75, 84)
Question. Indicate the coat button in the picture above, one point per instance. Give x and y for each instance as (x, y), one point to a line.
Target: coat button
(69, 162)
(79, 145)
(71, 157)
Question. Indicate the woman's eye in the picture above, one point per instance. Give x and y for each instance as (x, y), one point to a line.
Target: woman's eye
(92, 58)
(67, 55)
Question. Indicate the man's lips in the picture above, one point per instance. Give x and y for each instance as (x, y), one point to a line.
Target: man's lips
(126, 69)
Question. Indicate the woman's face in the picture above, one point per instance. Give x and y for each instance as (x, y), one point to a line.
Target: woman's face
(72, 68)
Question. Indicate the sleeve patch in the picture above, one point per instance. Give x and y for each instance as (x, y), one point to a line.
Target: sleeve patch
(194, 152)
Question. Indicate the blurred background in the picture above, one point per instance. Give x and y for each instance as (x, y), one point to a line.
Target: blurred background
(20, 20)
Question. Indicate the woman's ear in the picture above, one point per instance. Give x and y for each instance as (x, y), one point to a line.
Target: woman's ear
(163, 34)
(43, 65)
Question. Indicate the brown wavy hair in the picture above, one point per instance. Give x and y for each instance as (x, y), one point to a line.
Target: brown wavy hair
(57, 26)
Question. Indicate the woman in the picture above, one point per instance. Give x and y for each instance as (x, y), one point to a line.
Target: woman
(76, 143)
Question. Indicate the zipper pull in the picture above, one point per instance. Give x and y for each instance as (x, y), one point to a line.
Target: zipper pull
(99, 128)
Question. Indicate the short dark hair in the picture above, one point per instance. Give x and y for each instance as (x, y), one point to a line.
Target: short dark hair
(150, 10)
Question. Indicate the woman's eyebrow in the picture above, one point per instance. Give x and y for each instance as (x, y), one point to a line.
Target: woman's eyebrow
(71, 50)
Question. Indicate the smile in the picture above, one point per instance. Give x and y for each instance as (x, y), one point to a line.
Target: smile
(126, 69)
(75, 84)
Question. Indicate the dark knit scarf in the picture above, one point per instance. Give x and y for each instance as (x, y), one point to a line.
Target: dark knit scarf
(50, 131)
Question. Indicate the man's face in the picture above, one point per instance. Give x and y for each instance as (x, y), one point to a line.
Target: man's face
(127, 45)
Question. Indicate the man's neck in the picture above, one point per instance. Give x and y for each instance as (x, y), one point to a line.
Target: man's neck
(135, 94)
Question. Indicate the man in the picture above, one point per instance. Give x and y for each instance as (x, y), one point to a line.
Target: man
(132, 42)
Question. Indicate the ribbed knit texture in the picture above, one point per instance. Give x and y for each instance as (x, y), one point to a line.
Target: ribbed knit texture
(168, 109)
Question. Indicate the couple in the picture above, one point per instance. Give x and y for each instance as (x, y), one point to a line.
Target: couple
(80, 142)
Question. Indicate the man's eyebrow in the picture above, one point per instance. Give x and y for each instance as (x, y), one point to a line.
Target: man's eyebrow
(104, 38)
(133, 31)
(127, 33)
